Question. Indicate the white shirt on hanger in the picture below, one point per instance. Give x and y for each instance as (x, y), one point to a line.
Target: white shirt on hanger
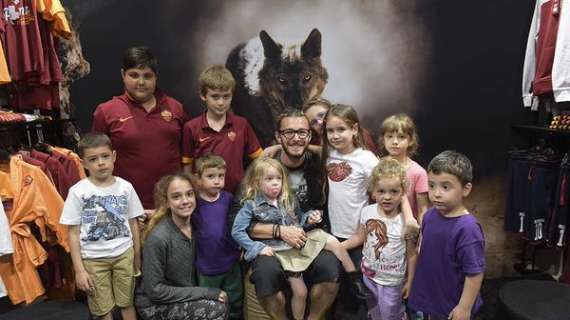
(5, 235)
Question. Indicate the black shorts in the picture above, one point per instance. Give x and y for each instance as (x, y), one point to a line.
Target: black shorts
(269, 277)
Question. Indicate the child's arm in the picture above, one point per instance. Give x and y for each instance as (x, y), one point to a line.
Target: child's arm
(133, 223)
(411, 225)
(356, 240)
(470, 291)
(316, 149)
(412, 258)
(423, 204)
(82, 278)
(239, 232)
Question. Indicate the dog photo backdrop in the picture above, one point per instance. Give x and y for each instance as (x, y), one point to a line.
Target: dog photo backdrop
(454, 67)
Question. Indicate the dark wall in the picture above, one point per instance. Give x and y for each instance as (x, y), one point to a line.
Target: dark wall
(474, 92)
(469, 98)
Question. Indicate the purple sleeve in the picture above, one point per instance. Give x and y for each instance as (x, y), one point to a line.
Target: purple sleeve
(471, 249)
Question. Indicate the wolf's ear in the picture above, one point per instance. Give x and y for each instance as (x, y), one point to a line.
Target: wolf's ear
(311, 48)
(271, 49)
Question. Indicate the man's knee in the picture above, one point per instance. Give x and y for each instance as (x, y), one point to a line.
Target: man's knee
(325, 268)
(267, 276)
(324, 289)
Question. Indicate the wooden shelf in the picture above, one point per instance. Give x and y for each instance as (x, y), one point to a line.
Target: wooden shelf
(33, 123)
(543, 130)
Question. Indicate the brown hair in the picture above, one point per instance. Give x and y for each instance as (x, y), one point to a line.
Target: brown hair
(400, 123)
(288, 113)
(454, 163)
(350, 117)
(93, 140)
(209, 161)
(317, 101)
(216, 77)
(161, 200)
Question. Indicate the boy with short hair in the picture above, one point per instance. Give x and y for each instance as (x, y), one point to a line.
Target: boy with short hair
(218, 130)
(451, 262)
(101, 212)
(217, 255)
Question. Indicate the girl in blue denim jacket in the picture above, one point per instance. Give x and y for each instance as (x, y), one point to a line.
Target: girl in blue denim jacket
(267, 199)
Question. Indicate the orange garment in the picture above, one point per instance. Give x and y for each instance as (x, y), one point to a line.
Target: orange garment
(74, 157)
(6, 191)
(35, 201)
(4, 73)
(53, 11)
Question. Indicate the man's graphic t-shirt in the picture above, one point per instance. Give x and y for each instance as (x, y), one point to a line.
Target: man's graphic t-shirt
(103, 213)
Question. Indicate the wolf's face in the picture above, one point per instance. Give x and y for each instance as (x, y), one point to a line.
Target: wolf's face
(271, 76)
(291, 75)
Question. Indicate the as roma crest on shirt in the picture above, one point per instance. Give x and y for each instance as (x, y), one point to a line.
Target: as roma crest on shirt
(166, 115)
(232, 136)
(28, 180)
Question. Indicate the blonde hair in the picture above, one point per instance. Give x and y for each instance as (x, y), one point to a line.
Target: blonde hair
(209, 161)
(216, 77)
(317, 101)
(400, 123)
(161, 200)
(251, 183)
(387, 168)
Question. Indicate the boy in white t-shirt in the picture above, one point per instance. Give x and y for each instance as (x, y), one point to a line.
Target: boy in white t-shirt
(101, 212)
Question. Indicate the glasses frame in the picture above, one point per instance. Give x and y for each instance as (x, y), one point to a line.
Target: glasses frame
(290, 133)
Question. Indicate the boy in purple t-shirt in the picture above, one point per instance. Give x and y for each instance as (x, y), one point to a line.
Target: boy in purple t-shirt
(217, 254)
(451, 262)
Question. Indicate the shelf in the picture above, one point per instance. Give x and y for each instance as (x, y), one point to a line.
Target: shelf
(543, 130)
(32, 123)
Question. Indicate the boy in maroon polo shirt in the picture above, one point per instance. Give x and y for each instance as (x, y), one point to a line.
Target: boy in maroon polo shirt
(219, 131)
(144, 124)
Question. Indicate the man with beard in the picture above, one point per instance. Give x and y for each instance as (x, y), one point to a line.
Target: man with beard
(293, 134)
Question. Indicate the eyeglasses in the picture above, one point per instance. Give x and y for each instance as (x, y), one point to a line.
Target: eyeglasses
(290, 133)
(318, 118)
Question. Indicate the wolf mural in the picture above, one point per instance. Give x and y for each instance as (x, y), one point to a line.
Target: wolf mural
(271, 76)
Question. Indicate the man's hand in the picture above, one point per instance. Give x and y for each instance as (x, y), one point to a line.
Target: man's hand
(315, 217)
(85, 282)
(293, 236)
(459, 313)
(267, 251)
(143, 218)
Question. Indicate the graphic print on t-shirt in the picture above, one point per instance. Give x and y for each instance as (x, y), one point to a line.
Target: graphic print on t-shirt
(298, 185)
(378, 228)
(105, 216)
(338, 171)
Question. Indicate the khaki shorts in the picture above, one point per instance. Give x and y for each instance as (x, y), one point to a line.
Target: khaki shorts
(114, 282)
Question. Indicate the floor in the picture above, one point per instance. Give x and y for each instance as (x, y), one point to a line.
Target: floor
(489, 293)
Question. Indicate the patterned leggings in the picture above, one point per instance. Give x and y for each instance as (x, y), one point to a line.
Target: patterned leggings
(189, 310)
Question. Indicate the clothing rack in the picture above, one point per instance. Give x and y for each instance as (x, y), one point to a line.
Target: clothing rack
(32, 132)
(529, 136)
